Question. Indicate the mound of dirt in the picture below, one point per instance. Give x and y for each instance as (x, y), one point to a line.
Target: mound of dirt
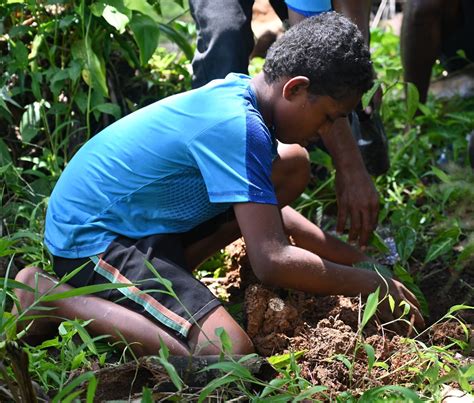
(325, 328)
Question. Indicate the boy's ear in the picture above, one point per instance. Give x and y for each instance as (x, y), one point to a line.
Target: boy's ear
(294, 86)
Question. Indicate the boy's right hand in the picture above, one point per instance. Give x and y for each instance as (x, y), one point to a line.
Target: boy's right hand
(400, 293)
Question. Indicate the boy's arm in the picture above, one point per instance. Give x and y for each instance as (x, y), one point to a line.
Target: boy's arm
(277, 263)
(357, 197)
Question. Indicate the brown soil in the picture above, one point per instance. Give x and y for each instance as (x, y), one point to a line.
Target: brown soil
(325, 328)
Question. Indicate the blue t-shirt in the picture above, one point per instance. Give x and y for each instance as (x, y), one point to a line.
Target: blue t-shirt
(164, 169)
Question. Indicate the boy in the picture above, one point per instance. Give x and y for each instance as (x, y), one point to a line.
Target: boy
(178, 180)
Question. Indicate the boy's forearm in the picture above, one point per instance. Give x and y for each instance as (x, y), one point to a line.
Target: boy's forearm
(308, 236)
(302, 270)
(342, 146)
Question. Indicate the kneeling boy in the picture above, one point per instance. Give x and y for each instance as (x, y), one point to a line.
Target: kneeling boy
(176, 181)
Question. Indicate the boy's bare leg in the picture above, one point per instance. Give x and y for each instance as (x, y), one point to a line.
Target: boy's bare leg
(114, 320)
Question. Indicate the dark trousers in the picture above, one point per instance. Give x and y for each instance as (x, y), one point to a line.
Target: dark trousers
(224, 37)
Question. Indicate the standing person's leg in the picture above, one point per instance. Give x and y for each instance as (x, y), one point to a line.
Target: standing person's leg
(421, 41)
(224, 39)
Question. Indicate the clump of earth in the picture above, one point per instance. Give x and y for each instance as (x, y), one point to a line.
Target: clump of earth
(325, 330)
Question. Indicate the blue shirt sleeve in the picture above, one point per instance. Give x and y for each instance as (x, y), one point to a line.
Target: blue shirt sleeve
(235, 160)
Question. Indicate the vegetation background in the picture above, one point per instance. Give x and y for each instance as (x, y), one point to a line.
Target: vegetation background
(70, 68)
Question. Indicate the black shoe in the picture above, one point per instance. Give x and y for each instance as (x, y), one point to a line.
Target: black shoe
(369, 133)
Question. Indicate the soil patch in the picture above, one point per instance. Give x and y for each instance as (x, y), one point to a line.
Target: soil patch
(325, 329)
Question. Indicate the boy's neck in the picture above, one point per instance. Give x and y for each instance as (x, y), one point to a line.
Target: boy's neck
(266, 95)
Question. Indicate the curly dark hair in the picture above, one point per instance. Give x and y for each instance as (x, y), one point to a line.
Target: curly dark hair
(329, 50)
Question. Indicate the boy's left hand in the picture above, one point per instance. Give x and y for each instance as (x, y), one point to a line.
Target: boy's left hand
(400, 293)
(358, 199)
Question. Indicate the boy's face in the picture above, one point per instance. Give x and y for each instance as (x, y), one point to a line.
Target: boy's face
(302, 118)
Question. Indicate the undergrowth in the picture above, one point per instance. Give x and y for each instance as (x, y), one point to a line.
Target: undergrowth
(62, 64)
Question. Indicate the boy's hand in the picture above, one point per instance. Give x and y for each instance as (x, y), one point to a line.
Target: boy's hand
(358, 199)
(400, 293)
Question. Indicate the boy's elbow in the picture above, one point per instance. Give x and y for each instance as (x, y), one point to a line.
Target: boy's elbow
(267, 273)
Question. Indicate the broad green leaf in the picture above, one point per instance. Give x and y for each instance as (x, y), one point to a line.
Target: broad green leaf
(78, 359)
(91, 388)
(405, 239)
(425, 110)
(5, 157)
(84, 335)
(147, 396)
(377, 242)
(370, 307)
(391, 302)
(3, 105)
(406, 307)
(94, 69)
(114, 12)
(30, 122)
(146, 34)
(441, 175)
(412, 100)
(35, 45)
(10, 331)
(225, 340)
(143, 7)
(283, 360)
(462, 54)
(469, 372)
(110, 109)
(344, 360)
(163, 355)
(367, 97)
(309, 392)
(274, 385)
(115, 18)
(438, 249)
(456, 308)
(19, 52)
(393, 391)
(229, 367)
(370, 356)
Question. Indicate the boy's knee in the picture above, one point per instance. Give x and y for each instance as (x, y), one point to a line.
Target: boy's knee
(203, 339)
(298, 165)
(241, 344)
(27, 275)
(302, 166)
